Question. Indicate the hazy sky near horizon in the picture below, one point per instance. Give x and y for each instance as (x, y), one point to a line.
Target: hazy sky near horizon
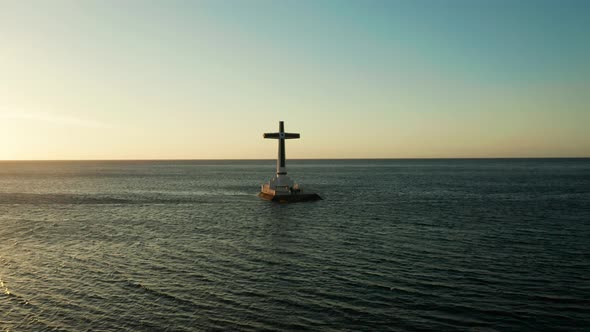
(357, 79)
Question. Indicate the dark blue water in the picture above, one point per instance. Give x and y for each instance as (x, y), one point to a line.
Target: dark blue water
(395, 245)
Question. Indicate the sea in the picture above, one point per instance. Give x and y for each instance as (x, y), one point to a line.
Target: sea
(395, 245)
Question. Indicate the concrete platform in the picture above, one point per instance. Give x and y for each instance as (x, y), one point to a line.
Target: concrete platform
(292, 198)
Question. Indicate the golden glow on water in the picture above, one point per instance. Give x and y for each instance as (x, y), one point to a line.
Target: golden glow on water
(4, 288)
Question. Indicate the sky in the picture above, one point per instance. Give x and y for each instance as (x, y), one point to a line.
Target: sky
(358, 79)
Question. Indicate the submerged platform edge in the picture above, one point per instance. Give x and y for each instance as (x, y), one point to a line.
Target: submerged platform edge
(293, 198)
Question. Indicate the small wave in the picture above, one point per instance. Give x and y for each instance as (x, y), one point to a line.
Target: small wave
(25, 198)
(161, 295)
(4, 288)
(90, 199)
(9, 294)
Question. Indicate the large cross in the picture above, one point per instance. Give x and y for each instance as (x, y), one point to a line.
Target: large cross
(281, 136)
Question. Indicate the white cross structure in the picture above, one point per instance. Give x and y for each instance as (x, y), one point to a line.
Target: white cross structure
(281, 136)
(281, 188)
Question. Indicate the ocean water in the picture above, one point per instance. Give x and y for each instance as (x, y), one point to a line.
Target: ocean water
(478, 245)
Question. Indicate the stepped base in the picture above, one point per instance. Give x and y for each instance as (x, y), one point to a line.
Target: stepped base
(290, 198)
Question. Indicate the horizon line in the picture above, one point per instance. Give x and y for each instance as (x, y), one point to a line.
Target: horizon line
(274, 159)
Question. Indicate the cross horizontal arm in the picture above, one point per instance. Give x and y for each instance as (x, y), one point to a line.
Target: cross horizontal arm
(281, 135)
(272, 135)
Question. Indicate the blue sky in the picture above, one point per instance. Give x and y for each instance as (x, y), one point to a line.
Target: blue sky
(358, 79)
